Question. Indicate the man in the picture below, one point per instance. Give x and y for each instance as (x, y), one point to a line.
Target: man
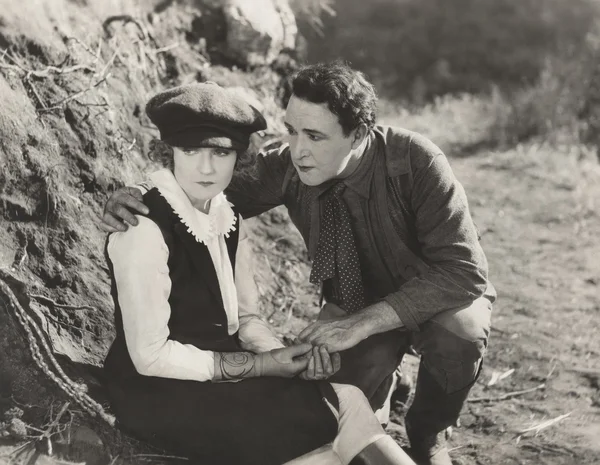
(393, 246)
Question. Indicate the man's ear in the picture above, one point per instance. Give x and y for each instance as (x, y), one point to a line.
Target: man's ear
(360, 133)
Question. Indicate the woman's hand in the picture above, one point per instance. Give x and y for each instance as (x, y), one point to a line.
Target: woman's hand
(322, 364)
(117, 209)
(286, 362)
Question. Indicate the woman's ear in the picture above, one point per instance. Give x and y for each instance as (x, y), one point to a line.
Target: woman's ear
(360, 134)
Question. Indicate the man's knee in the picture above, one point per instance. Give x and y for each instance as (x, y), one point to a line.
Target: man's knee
(367, 364)
(470, 323)
(452, 344)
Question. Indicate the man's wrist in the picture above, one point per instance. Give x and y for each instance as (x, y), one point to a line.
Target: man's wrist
(378, 318)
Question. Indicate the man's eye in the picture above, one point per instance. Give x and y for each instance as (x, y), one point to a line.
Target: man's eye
(314, 137)
(223, 152)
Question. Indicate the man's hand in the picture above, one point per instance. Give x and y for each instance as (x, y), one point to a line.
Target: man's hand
(321, 364)
(339, 333)
(116, 211)
(286, 362)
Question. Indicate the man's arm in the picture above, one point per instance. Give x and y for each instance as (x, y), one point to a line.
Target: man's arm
(457, 272)
(343, 332)
(252, 193)
(256, 192)
(120, 209)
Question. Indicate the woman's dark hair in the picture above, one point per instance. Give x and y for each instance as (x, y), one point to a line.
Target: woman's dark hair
(346, 91)
(162, 153)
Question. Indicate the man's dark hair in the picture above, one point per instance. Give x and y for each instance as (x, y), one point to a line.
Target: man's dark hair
(346, 91)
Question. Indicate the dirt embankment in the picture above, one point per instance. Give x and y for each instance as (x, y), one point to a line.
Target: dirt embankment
(74, 78)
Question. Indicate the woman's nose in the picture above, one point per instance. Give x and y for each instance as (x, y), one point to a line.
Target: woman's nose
(205, 164)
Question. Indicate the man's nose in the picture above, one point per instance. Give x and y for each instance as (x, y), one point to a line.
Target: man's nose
(299, 151)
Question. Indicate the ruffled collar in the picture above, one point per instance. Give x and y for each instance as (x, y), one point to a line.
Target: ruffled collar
(220, 218)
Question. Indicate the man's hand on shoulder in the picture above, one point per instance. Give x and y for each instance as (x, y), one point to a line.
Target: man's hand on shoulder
(121, 208)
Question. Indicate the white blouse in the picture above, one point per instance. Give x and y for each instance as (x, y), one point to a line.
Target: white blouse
(139, 258)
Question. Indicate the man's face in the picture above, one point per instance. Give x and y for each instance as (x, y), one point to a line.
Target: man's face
(320, 150)
(203, 172)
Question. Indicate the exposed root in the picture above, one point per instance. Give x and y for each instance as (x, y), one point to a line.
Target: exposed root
(42, 354)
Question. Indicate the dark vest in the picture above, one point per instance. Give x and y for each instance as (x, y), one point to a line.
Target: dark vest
(264, 420)
(197, 313)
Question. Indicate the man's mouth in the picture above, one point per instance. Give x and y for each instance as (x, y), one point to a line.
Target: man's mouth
(304, 169)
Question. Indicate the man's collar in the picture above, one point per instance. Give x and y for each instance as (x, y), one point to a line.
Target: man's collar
(360, 180)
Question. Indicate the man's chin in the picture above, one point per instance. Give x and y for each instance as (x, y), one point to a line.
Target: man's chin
(309, 180)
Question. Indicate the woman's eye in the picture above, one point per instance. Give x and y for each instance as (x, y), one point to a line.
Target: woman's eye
(290, 131)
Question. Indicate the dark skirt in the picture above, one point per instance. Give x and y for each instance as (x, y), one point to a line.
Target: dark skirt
(259, 421)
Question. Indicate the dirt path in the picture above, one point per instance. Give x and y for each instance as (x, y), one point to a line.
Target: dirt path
(538, 214)
(537, 211)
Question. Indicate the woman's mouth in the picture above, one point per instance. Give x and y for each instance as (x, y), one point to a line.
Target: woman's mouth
(205, 183)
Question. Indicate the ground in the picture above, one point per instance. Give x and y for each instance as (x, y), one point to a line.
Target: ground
(536, 207)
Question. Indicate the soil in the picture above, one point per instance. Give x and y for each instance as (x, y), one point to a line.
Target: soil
(535, 205)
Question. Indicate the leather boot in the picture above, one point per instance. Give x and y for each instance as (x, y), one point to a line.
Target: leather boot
(384, 451)
(430, 418)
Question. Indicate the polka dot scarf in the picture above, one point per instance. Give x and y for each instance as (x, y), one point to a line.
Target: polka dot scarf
(337, 257)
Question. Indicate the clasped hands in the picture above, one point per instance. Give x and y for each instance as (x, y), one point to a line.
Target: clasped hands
(316, 353)
(302, 360)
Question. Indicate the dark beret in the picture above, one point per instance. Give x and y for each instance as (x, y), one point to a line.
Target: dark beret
(204, 115)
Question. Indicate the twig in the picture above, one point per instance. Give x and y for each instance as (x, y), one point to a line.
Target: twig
(68, 325)
(48, 300)
(46, 71)
(157, 456)
(553, 449)
(498, 330)
(85, 47)
(35, 92)
(544, 425)
(551, 372)
(506, 396)
(496, 376)
(126, 19)
(166, 48)
(60, 103)
(108, 64)
(42, 353)
(585, 371)
(48, 433)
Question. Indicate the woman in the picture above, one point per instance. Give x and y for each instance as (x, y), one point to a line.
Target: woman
(192, 368)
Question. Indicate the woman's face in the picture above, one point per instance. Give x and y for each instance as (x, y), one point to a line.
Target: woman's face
(203, 172)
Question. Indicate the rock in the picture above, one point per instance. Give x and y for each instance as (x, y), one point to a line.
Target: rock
(86, 446)
(17, 428)
(258, 31)
(13, 412)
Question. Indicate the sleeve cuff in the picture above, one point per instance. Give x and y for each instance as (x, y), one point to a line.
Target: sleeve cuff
(404, 308)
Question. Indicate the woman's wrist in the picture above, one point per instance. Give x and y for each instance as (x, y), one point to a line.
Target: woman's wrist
(237, 365)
